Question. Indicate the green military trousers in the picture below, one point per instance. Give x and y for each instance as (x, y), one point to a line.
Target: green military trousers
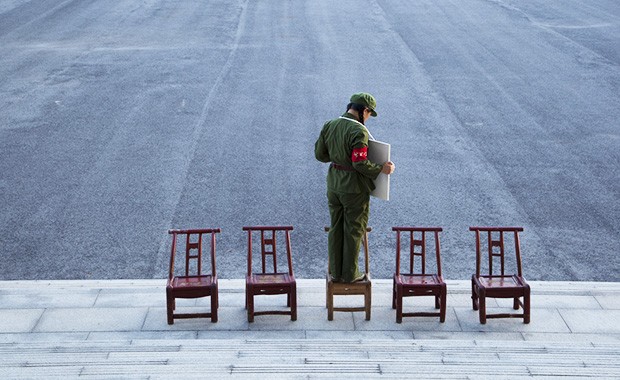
(349, 218)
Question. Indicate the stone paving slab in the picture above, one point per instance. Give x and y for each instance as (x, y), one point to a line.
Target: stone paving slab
(542, 320)
(19, 320)
(608, 301)
(592, 321)
(135, 309)
(131, 297)
(49, 300)
(91, 319)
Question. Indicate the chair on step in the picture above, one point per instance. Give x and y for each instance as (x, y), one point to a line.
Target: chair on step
(500, 285)
(363, 287)
(186, 278)
(417, 282)
(267, 281)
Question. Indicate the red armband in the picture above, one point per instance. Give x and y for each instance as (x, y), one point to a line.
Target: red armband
(359, 154)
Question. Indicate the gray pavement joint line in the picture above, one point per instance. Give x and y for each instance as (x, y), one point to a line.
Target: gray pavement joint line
(598, 302)
(148, 311)
(97, 297)
(199, 126)
(34, 326)
(458, 321)
(564, 320)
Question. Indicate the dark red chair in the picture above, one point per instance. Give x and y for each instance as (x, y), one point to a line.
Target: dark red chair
(267, 281)
(498, 285)
(191, 282)
(416, 282)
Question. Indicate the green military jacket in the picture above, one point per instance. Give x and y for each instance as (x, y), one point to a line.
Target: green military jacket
(344, 142)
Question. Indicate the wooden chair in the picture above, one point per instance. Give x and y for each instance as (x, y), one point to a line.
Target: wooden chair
(498, 285)
(363, 287)
(417, 282)
(267, 281)
(193, 283)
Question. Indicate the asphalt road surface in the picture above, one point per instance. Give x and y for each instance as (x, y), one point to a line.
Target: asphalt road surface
(120, 120)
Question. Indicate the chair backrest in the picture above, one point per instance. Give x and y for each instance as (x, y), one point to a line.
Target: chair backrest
(494, 240)
(365, 245)
(269, 245)
(418, 238)
(192, 245)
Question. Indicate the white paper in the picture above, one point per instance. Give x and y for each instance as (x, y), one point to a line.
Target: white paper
(379, 153)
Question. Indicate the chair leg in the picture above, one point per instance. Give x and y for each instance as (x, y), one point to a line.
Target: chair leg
(327, 292)
(170, 308)
(250, 311)
(249, 301)
(293, 302)
(367, 303)
(474, 295)
(482, 306)
(526, 305)
(444, 298)
(214, 304)
(394, 294)
(515, 303)
(437, 303)
(399, 304)
(330, 302)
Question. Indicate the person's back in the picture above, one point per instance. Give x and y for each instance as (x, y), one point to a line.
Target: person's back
(343, 142)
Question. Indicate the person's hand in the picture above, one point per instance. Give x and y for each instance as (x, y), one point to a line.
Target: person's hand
(388, 168)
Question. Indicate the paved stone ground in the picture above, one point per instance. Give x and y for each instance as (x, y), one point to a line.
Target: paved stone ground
(117, 329)
(121, 120)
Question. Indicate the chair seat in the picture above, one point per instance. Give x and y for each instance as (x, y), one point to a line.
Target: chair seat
(349, 288)
(351, 285)
(192, 282)
(271, 279)
(418, 279)
(503, 282)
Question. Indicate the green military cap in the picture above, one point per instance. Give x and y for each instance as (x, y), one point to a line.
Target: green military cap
(366, 100)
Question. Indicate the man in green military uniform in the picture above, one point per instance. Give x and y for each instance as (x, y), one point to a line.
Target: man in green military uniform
(344, 143)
